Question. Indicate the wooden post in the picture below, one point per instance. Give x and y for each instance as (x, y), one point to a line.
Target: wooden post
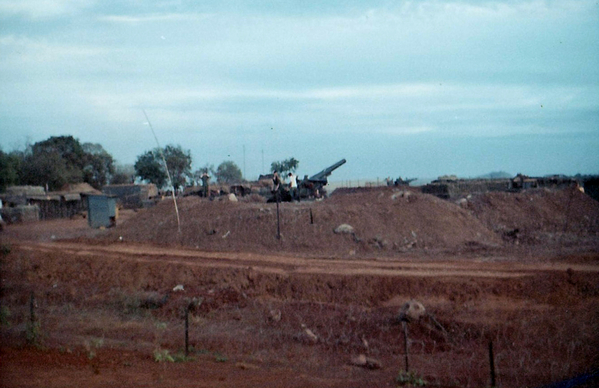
(278, 218)
(187, 331)
(405, 337)
(311, 217)
(32, 308)
(492, 364)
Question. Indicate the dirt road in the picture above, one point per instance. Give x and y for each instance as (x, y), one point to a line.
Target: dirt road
(478, 267)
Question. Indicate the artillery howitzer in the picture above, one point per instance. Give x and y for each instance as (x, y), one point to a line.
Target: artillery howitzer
(314, 186)
(404, 182)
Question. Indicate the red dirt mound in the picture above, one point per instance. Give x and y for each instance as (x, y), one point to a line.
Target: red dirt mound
(385, 221)
(563, 217)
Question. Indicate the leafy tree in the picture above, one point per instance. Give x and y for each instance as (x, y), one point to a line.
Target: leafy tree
(123, 174)
(53, 162)
(60, 160)
(67, 147)
(179, 164)
(285, 166)
(99, 165)
(48, 167)
(150, 166)
(228, 172)
(10, 166)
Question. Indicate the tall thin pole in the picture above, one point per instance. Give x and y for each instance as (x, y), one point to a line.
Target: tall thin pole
(278, 217)
(187, 331)
(492, 364)
(167, 173)
(244, 175)
(406, 341)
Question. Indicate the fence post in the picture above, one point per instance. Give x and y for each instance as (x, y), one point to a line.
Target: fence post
(311, 217)
(278, 220)
(405, 337)
(32, 309)
(492, 364)
(187, 330)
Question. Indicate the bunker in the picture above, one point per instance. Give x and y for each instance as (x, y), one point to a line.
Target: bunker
(102, 211)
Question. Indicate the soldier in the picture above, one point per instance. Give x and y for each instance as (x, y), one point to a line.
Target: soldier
(276, 185)
(206, 184)
(293, 187)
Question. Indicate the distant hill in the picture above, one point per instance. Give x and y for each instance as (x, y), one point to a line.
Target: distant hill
(496, 175)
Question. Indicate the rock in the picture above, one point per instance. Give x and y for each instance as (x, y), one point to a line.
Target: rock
(344, 229)
(178, 287)
(232, 198)
(412, 311)
(404, 194)
(274, 315)
(366, 362)
(313, 338)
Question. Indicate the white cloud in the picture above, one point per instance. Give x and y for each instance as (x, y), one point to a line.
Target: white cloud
(43, 9)
(152, 18)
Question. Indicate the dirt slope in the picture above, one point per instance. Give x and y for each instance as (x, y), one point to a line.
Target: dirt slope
(386, 222)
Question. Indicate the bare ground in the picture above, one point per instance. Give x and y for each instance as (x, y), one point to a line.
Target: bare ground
(105, 308)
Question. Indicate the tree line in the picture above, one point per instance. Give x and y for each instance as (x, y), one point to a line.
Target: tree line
(62, 160)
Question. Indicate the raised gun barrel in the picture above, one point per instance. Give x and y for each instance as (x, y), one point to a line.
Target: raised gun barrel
(321, 177)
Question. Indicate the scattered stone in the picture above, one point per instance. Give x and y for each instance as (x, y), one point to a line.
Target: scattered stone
(411, 311)
(178, 287)
(366, 362)
(274, 315)
(246, 366)
(232, 198)
(401, 194)
(344, 229)
(313, 338)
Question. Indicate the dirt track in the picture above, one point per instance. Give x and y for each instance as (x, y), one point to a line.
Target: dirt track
(485, 267)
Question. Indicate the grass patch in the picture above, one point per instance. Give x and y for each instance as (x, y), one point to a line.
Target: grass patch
(409, 379)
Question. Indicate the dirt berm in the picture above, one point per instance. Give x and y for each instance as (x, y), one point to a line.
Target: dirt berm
(385, 221)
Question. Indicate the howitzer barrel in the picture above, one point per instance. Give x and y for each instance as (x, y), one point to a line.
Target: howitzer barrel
(322, 176)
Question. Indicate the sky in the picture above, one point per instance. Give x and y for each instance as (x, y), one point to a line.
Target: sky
(397, 88)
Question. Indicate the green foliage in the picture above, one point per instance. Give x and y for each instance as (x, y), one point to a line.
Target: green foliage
(5, 316)
(162, 355)
(285, 166)
(179, 164)
(220, 358)
(57, 161)
(4, 250)
(10, 166)
(67, 147)
(33, 333)
(150, 166)
(123, 174)
(48, 167)
(228, 172)
(99, 165)
(92, 346)
(409, 379)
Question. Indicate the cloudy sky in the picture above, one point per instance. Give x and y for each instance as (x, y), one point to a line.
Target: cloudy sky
(398, 88)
